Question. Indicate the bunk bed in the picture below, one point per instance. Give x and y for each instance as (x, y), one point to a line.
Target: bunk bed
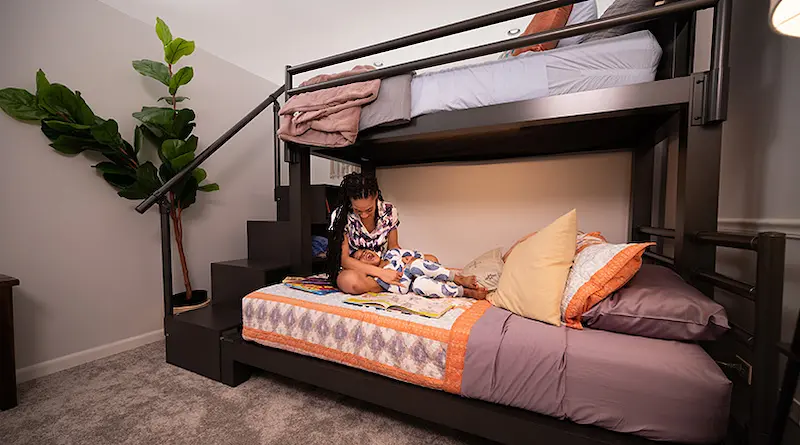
(679, 103)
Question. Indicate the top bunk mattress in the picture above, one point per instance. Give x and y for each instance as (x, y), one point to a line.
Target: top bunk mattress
(624, 60)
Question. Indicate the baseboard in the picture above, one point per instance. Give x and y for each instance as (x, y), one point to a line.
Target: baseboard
(789, 226)
(79, 358)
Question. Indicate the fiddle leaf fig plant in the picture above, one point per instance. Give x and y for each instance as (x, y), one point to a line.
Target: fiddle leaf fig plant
(72, 127)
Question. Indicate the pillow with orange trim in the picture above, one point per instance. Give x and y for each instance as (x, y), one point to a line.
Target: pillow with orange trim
(545, 21)
(583, 240)
(598, 270)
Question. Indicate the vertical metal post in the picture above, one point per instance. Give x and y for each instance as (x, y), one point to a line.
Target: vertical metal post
(166, 256)
(768, 313)
(276, 123)
(641, 205)
(717, 87)
(300, 207)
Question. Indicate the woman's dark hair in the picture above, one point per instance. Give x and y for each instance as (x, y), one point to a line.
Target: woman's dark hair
(353, 186)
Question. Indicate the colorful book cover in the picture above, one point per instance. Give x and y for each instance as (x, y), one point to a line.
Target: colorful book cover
(409, 304)
(317, 284)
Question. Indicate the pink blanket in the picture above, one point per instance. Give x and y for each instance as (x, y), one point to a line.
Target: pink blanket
(328, 117)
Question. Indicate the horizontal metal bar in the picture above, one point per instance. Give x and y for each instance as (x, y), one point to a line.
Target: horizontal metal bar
(723, 239)
(742, 334)
(657, 231)
(660, 258)
(442, 31)
(504, 45)
(729, 284)
(205, 154)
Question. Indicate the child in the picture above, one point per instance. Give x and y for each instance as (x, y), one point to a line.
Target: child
(422, 276)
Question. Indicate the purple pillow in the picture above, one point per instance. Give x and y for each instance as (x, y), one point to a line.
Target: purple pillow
(657, 303)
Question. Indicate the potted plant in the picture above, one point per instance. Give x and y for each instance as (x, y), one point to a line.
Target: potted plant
(72, 127)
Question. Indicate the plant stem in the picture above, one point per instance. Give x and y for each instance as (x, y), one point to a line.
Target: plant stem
(174, 104)
(177, 222)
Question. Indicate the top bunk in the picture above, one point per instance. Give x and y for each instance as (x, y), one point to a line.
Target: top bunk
(542, 103)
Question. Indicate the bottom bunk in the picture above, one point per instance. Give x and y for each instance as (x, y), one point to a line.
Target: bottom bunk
(655, 389)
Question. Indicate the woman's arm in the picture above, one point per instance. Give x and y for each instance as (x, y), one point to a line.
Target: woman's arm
(392, 241)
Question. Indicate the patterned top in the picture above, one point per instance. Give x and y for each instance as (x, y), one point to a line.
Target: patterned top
(360, 238)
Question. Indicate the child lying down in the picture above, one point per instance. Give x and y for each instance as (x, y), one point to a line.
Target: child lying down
(423, 277)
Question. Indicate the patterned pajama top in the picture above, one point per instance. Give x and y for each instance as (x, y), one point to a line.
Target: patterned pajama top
(358, 235)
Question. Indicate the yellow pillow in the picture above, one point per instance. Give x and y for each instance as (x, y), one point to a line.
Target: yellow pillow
(535, 273)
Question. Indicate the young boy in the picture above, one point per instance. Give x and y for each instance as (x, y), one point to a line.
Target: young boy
(422, 276)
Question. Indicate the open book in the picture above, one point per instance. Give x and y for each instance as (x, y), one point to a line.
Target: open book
(409, 303)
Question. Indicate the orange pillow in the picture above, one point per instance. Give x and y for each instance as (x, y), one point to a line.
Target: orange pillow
(545, 21)
(598, 271)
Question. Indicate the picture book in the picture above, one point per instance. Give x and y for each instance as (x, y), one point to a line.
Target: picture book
(317, 284)
(408, 303)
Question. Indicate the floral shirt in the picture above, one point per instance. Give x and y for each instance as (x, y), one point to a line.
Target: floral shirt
(358, 235)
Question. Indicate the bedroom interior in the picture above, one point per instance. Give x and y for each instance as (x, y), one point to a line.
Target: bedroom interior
(649, 127)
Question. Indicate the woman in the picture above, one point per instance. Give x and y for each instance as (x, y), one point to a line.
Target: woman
(364, 221)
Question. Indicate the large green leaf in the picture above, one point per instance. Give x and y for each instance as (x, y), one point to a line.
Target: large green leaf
(146, 182)
(168, 99)
(82, 113)
(182, 77)
(110, 167)
(163, 32)
(199, 174)
(181, 161)
(72, 145)
(177, 49)
(61, 101)
(107, 134)
(151, 68)
(41, 82)
(67, 127)
(21, 104)
(213, 187)
(138, 139)
(187, 195)
(49, 132)
(172, 148)
(166, 172)
(182, 126)
(119, 181)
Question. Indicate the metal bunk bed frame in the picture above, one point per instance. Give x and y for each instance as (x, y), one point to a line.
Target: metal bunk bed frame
(689, 106)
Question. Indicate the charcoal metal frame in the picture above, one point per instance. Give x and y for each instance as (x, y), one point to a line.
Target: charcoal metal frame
(687, 106)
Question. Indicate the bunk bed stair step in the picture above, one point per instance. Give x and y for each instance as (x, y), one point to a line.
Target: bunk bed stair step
(232, 280)
(323, 199)
(193, 338)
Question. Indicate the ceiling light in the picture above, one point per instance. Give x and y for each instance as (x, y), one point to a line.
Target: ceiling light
(784, 16)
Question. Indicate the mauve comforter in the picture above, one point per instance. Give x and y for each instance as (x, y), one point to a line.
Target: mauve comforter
(659, 389)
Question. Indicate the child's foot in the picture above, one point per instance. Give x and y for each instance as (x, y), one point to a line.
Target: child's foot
(469, 282)
(478, 294)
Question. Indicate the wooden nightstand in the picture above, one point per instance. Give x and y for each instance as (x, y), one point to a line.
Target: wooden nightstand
(8, 372)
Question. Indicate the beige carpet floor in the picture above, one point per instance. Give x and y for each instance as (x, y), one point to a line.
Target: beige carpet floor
(137, 398)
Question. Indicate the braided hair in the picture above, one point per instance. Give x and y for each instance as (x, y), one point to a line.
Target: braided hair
(353, 186)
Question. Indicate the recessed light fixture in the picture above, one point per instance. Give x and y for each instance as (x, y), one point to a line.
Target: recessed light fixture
(378, 64)
(513, 32)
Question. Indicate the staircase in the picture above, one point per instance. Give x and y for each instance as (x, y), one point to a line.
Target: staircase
(191, 335)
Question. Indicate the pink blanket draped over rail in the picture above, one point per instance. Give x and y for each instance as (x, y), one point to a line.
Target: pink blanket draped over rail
(328, 117)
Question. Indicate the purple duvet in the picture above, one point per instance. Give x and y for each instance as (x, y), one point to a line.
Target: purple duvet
(659, 389)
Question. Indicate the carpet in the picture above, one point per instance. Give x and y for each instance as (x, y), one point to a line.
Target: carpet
(137, 398)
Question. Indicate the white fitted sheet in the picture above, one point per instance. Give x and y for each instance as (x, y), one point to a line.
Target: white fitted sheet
(624, 60)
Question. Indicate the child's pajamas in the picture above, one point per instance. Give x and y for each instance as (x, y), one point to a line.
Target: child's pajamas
(421, 276)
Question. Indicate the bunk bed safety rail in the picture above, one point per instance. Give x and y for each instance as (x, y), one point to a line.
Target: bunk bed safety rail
(651, 14)
(767, 297)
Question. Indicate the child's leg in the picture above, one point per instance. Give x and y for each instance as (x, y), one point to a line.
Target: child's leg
(425, 268)
(405, 280)
(429, 287)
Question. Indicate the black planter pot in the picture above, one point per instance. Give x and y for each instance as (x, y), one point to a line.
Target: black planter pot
(180, 303)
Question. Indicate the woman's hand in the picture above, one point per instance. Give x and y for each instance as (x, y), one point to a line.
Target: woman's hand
(390, 276)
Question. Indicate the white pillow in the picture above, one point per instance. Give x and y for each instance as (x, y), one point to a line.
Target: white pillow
(581, 12)
(487, 268)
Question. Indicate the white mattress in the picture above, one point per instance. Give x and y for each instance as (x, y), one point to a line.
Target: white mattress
(624, 60)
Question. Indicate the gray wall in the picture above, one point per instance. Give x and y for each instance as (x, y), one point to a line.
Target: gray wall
(90, 265)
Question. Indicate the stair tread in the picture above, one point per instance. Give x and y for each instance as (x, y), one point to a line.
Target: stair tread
(218, 317)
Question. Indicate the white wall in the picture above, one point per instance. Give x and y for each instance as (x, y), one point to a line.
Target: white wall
(90, 265)
(459, 211)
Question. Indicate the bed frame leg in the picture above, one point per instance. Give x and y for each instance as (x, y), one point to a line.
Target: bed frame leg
(299, 158)
(232, 372)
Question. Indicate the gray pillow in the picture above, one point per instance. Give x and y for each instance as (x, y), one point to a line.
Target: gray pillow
(657, 303)
(487, 268)
(391, 107)
(616, 8)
